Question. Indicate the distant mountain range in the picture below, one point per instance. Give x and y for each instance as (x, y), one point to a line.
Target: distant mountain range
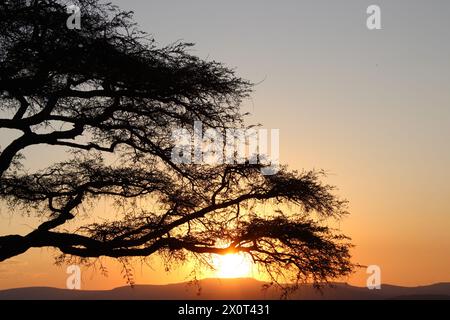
(226, 289)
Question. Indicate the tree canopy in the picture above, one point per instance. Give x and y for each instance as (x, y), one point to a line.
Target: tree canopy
(111, 96)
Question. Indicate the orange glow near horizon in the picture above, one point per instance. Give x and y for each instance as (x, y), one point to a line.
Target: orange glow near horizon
(233, 265)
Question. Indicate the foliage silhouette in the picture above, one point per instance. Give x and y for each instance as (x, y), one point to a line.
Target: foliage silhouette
(111, 96)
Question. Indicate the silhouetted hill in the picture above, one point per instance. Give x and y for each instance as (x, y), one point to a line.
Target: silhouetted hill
(235, 289)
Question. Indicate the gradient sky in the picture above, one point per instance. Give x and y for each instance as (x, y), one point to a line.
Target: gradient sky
(370, 107)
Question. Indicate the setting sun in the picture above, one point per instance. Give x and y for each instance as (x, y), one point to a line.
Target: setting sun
(235, 265)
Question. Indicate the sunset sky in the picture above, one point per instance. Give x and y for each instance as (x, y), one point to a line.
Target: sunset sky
(372, 108)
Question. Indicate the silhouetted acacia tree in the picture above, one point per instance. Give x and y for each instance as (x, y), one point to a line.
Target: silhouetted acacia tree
(112, 97)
